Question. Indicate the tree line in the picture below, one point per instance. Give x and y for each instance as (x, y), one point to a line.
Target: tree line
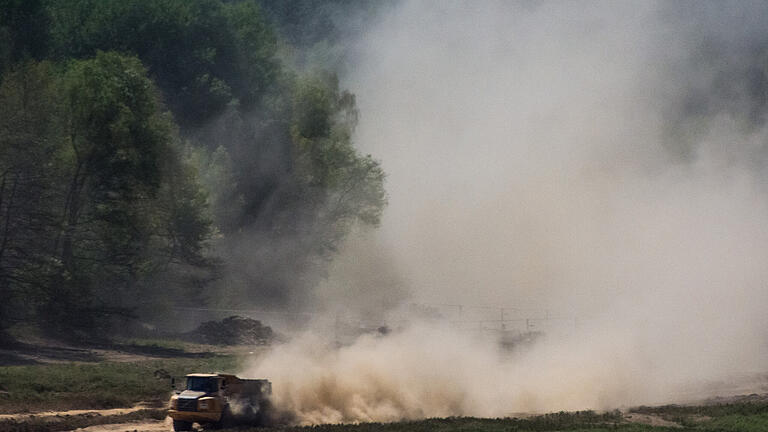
(144, 142)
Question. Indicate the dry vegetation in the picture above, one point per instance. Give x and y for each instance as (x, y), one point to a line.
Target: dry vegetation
(100, 385)
(43, 387)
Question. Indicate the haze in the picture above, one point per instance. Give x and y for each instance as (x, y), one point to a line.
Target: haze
(546, 156)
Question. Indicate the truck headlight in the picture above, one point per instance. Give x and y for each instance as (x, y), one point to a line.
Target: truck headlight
(203, 405)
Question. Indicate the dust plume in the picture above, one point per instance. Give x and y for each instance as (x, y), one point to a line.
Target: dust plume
(602, 160)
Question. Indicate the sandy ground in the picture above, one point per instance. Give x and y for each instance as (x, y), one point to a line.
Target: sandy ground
(147, 425)
(42, 351)
(166, 425)
(104, 412)
(747, 387)
(142, 426)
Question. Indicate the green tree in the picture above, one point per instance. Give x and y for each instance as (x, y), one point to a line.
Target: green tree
(179, 262)
(255, 68)
(104, 213)
(116, 140)
(29, 173)
(24, 31)
(343, 186)
(203, 54)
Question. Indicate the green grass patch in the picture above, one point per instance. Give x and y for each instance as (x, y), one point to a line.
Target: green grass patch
(713, 410)
(737, 423)
(171, 344)
(741, 420)
(583, 421)
(738, 416)
(98, 385)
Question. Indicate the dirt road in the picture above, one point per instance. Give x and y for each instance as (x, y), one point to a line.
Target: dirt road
(142, 417)
(141, 426)
(101, 412)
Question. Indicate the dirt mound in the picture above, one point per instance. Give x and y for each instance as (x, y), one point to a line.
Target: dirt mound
(235, 330)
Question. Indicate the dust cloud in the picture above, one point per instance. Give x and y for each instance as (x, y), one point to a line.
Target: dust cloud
(553, 155)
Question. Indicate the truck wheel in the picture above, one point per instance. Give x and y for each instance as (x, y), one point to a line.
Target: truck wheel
(181, 425)
(249, 414)
(264, 416)
(225, 420)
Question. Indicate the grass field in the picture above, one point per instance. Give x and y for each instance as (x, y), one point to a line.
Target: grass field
(97, 385)
(112, 384)
(747, 416)
(550, 422)
(171, 344)
(750, 416)
(575, 421)
(115, 384)
(755, 419)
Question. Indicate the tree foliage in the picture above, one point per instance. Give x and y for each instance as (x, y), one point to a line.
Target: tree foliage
(95, 199)
(24, 31)
(29, 168)
(204, 54)
(143, 141)
(340, 184)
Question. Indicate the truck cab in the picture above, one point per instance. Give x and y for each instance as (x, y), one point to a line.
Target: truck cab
(216, 399)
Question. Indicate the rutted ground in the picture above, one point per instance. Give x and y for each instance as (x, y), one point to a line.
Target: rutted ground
(132, 365)
(83, 412)
(745, 413)
(740, 413)
(148, 426)
(52, 421)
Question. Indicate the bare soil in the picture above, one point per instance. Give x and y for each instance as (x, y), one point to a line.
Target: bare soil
(141, 426)
(101, 412)
(752, 388)
(136, 418)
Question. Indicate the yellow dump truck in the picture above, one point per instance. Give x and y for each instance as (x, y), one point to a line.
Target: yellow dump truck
(220, 399)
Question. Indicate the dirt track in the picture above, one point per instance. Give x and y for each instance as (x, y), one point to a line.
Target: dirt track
(103, 412)
(750, 387)
(144, 426)
(117, 419)
(150, 425)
